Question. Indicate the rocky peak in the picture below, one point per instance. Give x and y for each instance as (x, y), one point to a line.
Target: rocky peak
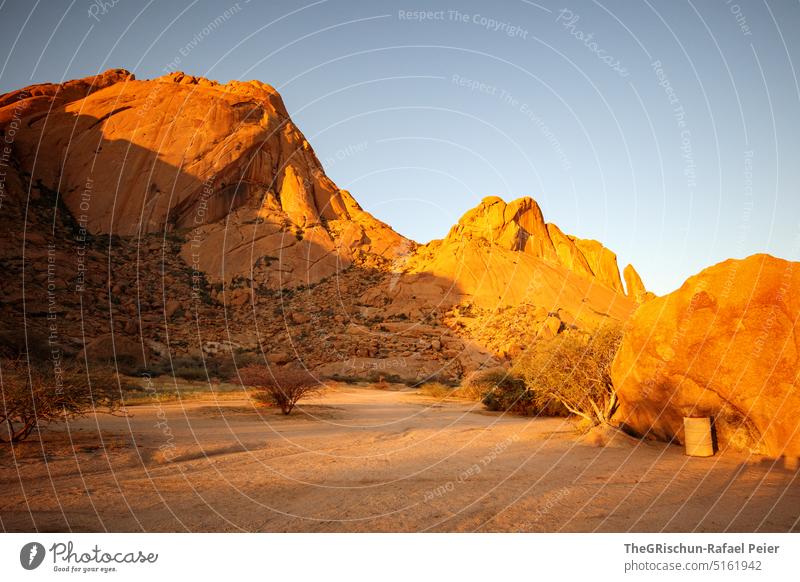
(520, 226)
(516, 226)
(222, 163)
(36, 100)
(601, 261)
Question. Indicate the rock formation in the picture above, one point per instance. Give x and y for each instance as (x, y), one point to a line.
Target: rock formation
(602, 261)
(179, 218)
(634, 286)
(223, 164)
(163, 221)
(501, 255)
(723, 345)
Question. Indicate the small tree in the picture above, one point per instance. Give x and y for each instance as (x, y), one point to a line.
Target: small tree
(575, 373)
(283, 388)
(34, 395)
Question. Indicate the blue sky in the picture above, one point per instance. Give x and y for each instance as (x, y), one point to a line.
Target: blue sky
(668, 130)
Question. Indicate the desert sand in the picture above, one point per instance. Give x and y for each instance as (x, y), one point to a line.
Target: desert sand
(356, 458)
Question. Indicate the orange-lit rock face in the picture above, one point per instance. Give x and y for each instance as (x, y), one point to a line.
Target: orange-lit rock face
(635, 287)
(723, 345)
(505, 254)
(223, 162)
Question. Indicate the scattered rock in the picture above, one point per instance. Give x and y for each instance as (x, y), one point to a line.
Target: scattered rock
(278, 358)
(171, 307)
(550, 327)
(114, 349)
(300, 317)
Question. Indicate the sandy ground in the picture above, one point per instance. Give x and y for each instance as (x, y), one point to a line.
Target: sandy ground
(360, 459)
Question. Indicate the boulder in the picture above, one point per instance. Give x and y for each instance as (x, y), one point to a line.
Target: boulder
(724, 345)
(171, 307)
(300, 317)
(239, 297)
(550, 327)
(568, 252)
(114, 349)
(278, 358)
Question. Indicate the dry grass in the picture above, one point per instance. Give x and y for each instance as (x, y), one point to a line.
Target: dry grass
(171, 390)
(469, 392)
(463, 392)
(436, 390)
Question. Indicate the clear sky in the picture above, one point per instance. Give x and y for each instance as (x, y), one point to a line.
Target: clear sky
(668, 130)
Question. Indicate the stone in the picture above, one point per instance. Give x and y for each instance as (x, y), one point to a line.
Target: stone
(634, 287)
(171, 307)
(300, 317)
(568, 252)
(602, 261)
(551, 326)
(239, 297)
(111, 349)
(130, 326)
(278, 358)
(723, 345)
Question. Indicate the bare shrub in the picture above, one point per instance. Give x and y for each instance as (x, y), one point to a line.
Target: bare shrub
(575, 372)
(281, 388)
(498, 389)
(734, 429)
(436, 389)
(506, 391)
(34, 395)
(204, 368)
(476, 385)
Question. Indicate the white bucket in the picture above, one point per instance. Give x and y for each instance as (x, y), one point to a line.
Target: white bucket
(697, 437)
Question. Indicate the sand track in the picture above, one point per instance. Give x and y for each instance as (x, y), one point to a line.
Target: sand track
(357, 459)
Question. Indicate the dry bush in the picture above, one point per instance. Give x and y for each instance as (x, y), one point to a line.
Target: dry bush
(281, 388)
(507, 392)
(34, 395)
(575, 373)
(476, 385)
(499, 389)
(202, 368)
(436, 389)
(734, 429)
